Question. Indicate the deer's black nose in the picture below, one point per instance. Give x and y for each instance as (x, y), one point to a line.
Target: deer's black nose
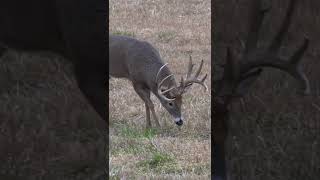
(179, 123)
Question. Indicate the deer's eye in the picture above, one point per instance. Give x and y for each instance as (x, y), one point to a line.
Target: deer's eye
(170, 104)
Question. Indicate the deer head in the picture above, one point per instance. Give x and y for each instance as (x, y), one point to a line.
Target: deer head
(239, 74)
(170, 95)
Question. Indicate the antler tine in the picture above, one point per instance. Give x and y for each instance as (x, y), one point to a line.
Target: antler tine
(224, 86)
(182, 82)
(238, 77)
(197, 81)
(294, 62)
(296, 58)
(164, 79)
(275, 45)
(161, 93)
(160, 71)
(291, 66)
(190, 66)
(164, 97)
(201, 82)
(256, 18)
(230, 72)
(190, 80)
(199, 69)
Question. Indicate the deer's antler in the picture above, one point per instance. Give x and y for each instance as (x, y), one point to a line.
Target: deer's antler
(249, 66)
(159, 84)
(190, 80)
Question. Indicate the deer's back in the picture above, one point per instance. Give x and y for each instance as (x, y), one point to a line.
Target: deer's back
(133, 59)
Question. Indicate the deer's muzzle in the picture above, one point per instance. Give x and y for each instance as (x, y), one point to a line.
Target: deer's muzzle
(179, 121)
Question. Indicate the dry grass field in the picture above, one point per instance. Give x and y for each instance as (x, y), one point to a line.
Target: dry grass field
(176, 29)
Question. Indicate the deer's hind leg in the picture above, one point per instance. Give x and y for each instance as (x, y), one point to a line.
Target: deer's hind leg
(144, 94)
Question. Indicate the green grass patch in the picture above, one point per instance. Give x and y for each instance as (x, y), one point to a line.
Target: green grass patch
(149, 133)
(137, 133)
(114, 173)
(166, 36)
(159, 163)
(130, 132)
(159, 159)
(133, 141)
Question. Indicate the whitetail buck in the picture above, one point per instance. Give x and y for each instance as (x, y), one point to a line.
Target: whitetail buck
(75, 29)
(240, 74)
(141, 63)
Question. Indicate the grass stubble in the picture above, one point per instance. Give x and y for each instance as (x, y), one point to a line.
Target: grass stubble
(176, 29)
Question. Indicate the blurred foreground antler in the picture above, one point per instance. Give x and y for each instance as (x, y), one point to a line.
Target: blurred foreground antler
(240, 74)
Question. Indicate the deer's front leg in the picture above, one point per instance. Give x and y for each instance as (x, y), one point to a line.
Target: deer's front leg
(148, 116)
(155, 115)
(144, 94)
